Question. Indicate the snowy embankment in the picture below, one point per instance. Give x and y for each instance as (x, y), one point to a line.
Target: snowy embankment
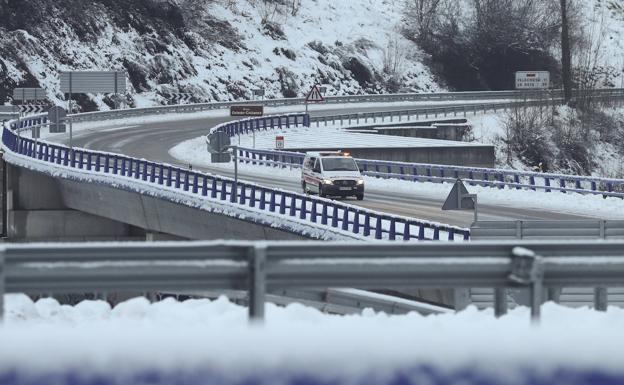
(203, 341)
(194, 152)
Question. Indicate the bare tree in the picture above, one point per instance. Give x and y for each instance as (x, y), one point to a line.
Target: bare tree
(566, 54)
(422, 14)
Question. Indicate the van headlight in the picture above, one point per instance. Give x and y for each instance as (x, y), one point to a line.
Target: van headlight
(360, 182)
(327, 181)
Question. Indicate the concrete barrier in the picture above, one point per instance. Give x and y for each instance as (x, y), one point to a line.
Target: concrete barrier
(469, 156)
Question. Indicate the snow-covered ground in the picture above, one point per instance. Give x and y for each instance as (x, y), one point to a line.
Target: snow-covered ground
(213, 340)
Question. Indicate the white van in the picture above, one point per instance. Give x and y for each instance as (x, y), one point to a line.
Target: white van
(331, 174)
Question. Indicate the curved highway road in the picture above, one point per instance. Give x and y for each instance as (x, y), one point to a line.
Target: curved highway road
(153, 141)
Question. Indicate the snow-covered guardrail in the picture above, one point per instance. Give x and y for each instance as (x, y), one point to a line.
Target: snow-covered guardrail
(259, 267)
(447, 111)
(312, 211)
(543, 95)
(437, 173)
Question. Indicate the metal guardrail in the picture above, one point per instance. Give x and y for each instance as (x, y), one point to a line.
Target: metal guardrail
(320, 212)
(534, 100)
(523, 229)
(261, 267)
(380, 98)
(437, 173)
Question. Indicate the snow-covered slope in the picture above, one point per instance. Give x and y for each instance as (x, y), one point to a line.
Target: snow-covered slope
(213, 49)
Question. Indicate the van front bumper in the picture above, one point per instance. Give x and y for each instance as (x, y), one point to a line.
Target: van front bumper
(331, 189)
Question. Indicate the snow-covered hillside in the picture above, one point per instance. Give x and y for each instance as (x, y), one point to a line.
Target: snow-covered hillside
(214, 49)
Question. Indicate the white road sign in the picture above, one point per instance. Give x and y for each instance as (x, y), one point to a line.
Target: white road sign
(314, 96)
(532, 80)
(279, 142)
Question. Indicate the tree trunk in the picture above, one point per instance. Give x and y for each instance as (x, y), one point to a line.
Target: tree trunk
(566, 57)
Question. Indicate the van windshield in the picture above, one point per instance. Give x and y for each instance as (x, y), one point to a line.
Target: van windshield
(339, 164)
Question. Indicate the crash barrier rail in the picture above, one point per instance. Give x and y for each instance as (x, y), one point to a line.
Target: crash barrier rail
(405, 115)
(570, 229)
(247, 126)
(265, 266)
(437, 173)
(319, 212)
(331, 300)
(29, 122)
(380, 98)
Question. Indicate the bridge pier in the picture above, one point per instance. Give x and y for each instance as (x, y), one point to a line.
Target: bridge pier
(34, 210)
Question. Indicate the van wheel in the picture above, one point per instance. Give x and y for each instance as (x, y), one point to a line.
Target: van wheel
(360, 197)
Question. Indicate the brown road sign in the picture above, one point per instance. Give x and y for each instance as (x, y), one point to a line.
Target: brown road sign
(246, 110)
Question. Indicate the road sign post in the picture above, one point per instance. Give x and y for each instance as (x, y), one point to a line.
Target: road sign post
(314, 96)
(90, 82)
(56, 117)
(460, 199)
(258, 92)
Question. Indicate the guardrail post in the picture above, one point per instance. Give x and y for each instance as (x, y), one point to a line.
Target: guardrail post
(177, 179)
(378, 229)
(334, 217)
(282, 204)
(547, 183)
(252, 196)
(532, 182)
(313, 211)
(406, 231)
(257, 283)
(392, 232)
(436, 234)
(233, 191)
(500, 301)
(345, 219)
(204, 185)
(213, 188)
(367, 224)
(324, 214)
(421, 232)
(262, 199)
(144, 173)
(562, 184)
(223, 191)
(303, 210)
(600, 299)
(195, 182)
(242, 196)
(272, 202)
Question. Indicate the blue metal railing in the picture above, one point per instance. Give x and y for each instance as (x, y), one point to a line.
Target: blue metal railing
(247, 126)
(476, 176)
(312, 210)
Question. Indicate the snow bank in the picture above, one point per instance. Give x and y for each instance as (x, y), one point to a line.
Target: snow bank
(213, 339)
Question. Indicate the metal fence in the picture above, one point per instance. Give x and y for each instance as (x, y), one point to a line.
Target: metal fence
(571, 229)
(437, 173)
(315, 211)
(380, 98)
(261, 267)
